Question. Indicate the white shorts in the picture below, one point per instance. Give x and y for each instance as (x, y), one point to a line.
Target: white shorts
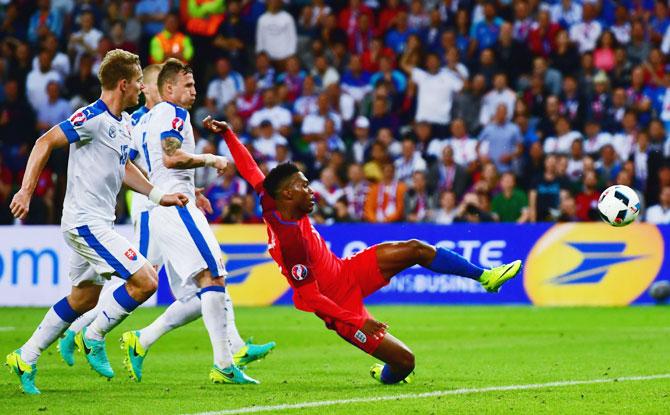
(187, 245)
(99, 253)
(143, 240)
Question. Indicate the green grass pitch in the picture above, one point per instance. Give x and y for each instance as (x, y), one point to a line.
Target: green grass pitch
(456, 348)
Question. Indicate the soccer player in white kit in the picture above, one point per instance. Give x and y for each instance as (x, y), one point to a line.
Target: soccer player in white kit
(192, 255)
(139, 214)
(99, 139)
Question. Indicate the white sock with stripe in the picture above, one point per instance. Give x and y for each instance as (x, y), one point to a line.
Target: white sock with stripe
(236, 342)
(213, 301)
(55, 322)
(176, 315)
(114, 309)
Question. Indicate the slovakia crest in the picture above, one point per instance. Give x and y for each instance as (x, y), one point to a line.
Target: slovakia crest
(299, 272)
(78, 119)
(177, 124)
(131, 254)
(112, 132)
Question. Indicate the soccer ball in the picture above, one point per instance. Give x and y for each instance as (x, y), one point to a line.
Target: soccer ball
(619, 205)
(660, 291)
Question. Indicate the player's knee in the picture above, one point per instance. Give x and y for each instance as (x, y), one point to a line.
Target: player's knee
(406, 361)
(419, 250)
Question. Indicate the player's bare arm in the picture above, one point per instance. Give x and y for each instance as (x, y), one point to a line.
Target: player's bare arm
(176, 158)
(54, 138)
(136, 181)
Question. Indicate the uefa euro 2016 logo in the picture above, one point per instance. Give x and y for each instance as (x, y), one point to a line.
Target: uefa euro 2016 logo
(590, 264)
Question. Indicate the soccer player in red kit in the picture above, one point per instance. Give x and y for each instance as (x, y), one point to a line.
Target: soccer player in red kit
(334, 288)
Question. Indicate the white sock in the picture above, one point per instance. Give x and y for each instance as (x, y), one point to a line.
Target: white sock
(113, 310)
(176, 315)
(214, 317)
(83, 321)
(236, 342)
(52, 326)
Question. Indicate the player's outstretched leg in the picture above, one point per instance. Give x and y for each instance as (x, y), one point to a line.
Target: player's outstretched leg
(23, 361)
(135, 344)
(394, 257)
(126, 298)
(398, 359)
(213, 299)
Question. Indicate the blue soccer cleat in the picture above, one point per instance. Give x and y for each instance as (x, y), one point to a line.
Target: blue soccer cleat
(232, 374)
(66, 347)
(24, 371)
(133, 354)
(95, 352)
(252, 352)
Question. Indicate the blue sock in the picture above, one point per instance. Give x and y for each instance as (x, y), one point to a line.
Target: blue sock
(65, 311)
(449, 262)
(389, 377)
(124, 299)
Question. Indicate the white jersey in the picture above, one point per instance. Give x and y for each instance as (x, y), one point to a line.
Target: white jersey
(99, 147)
(163, 121)
(139, 155)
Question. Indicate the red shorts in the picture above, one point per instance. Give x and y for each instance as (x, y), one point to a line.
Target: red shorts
(360, 276)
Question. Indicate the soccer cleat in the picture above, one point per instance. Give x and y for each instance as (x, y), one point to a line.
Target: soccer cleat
(95, 352)
(376, 373)
(231, 374)
(133, 354)
(66, 347)
(492, 279)
(252, 352)
(24, 371)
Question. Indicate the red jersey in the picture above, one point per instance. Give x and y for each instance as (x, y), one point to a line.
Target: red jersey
(310, 267)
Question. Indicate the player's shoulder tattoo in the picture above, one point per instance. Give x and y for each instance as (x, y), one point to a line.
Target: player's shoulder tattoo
(170, 145)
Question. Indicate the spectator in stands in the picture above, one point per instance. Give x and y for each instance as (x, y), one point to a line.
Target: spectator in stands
(608, 166)
(356, 191)
(83, 87)
(85, 40)
(621, 27)
(6, 217)
(171, 43)
(248, 101)
(152, 15)
(562, 141)
(371, 58)
(55, 110)
(276, 33)
(306, 103)
(419, 203)
(542, 36)
(313, 126)
(60, 62)
(448, 210)
(233, 35)
(436, 89)
(222, 191)
(660, 214)
(324, 74)
(545, 195)
(268, 139)
(356, 81)
(327, 187)
(587, 32)
(385, 201)
(44, 20)
(409, 162)
(566, 13)
(17, 126)
(447, 175)
(279, 117)
(587, 199)
(117, 36)
(572, 102)
(474, 209)
(37, 80)
(224, 88)
(638, 49)
(523, 22)
(292, 78)
(512, 56)
(468, 102)
(501, 141)
(511, 204)
(500, 95)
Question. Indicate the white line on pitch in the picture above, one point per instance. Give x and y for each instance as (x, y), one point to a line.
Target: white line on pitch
(464, 391)
(7, 328)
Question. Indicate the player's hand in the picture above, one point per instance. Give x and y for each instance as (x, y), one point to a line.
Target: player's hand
(374, 328)
(202, 203)
(20, 205)
(220, 165)
(174, 199)
(215, 126)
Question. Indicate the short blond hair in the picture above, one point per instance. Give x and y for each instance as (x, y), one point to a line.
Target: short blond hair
(150, 73)
(117, 64)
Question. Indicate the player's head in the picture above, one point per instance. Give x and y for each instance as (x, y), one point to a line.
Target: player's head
(151, 85)
(176, 83)
(120, 71)
(288, 185)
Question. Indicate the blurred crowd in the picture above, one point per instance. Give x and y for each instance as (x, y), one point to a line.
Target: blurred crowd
(434, 111)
